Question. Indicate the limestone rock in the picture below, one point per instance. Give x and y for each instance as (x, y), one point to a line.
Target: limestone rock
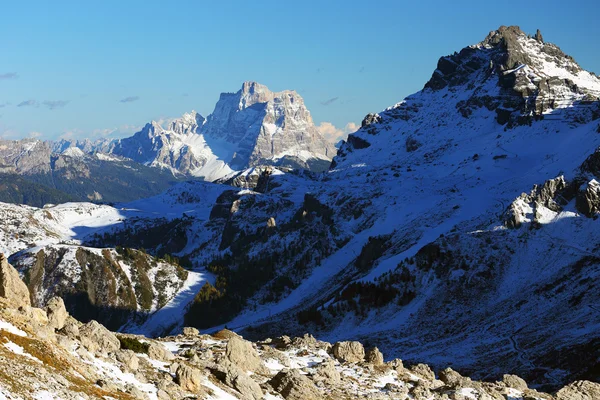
(12, 287)
(423, 371)
(57, 313)
(189, 378)
(129, 359)
(588, 200)
(292, 385)
(452, 378)
(189, 331)
(374, 356)
(352, 352)
(579, 390)
(241, 353)
(95, 337)
(515, 382)
(327, 373)
(158, 351)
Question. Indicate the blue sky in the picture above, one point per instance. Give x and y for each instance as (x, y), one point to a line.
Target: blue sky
(88, 69)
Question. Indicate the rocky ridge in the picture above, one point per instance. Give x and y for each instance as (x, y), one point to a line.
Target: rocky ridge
(49, 354)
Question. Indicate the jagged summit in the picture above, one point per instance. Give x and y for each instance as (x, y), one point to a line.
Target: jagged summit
(250, 127)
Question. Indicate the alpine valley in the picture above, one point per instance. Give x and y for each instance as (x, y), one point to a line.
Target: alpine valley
(457, 228)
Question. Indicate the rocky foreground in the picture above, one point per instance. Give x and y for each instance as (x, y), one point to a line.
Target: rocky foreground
(47, 354)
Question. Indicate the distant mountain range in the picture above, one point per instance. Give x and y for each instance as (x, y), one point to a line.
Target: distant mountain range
(252, 127)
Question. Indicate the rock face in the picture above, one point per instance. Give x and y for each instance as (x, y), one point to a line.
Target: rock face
(292, 385)
(57, 313)
(189, 378)
(96, 337)
(241, 353)
(374, 356)
(12, 287)
(351, 352)
(251, 127)
(580, 390)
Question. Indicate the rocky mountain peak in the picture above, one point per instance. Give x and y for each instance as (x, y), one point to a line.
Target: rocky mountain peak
(188, 123)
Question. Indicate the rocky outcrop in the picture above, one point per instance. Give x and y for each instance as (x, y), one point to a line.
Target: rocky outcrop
(292, 385)
(374, 356)
(95, 337)
(12, 287)
(189, 378)
(241, 353)
(579, 390)
(57, 313)
(351, 352)
(588, 199)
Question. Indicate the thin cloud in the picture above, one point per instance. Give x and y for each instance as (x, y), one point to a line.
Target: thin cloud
(9, 75)
(35, 135)
(28, 103)
(330, 101)
(361, 70)
(54, 104)
(130, 99)
(2, 105)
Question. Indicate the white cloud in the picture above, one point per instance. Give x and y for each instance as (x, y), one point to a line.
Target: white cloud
(334, 134)
(35, 135)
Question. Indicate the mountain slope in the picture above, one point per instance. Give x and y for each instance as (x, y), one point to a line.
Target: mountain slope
(53, 169)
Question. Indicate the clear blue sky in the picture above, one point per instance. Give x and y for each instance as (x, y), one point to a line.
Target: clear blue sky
(85, 68)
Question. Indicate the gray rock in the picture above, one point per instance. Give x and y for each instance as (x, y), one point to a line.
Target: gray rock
(57, 313)
(579, 390)
(189, 331)
(374, 356)
(189, 378)
(292, 385)
(515, 382)
(158, 351)
(12, 287)
(588, 199)
(129, 359)
(423, 371)
(327, 373)
(95, 337)
(241, 353)
(352, 352)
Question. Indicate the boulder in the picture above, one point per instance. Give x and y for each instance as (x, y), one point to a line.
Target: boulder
(423, 371)
(452, 378)
(374, 356)
(352, 352)
(515, 382)
(241, 353)
(57, 313)
(71, 328)
(292, 385)
(158, 351)
(95, 337)
(189, 331)
(129, 359)
(189, 378)
(12, 287)
(327, 373)
(579, 390)
(588, 199)
(235, 378)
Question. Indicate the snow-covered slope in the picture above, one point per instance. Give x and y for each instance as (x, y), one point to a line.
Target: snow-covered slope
(408, 240)
(251, 127)
(419, 238)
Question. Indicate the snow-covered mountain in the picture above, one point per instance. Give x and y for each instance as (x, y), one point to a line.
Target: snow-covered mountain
(251, 127)
(457, 227)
